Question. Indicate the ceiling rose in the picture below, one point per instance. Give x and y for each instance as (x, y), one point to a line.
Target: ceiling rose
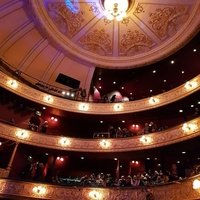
(150, 31)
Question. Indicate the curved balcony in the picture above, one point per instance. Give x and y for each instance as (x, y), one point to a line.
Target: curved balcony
(100, 108)
(183, 190)
(179, 133)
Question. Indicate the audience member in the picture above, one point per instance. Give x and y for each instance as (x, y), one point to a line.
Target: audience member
(44, 126)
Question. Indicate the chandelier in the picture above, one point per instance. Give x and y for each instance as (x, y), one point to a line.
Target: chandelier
(116, 9)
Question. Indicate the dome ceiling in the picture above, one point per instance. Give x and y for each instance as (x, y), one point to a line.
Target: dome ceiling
(152, 30)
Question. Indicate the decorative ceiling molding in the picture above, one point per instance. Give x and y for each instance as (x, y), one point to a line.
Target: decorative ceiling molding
(151, 31)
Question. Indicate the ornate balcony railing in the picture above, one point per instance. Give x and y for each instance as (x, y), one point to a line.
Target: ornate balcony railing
(100, 108)
(179, 133)
(177, 190)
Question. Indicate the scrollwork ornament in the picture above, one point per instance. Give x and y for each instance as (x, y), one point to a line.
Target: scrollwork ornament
(162, 20)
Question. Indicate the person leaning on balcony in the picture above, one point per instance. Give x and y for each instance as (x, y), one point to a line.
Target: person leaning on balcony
(44, 127)
(113, 98)
(34, 122)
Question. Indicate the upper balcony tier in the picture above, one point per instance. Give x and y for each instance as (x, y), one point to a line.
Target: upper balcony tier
(173, 95)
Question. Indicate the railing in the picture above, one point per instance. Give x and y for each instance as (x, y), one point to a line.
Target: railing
(173, 95)
(180, 133)
(72, 94)
(177, 190)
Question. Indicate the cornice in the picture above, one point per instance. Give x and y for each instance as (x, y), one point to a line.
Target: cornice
(32, 94)
(177, 134)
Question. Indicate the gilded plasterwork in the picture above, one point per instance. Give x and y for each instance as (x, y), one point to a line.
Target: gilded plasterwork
(171, 136)
(94, 8)
(68, 21)
(97, 41)
(139, 9)
(134, 42)
(166, 21)
(74, 25)
(101, 108)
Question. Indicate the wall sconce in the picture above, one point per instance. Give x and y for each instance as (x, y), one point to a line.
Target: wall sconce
(64, 142)
(39, 190)
(22, 134)
(189, 127)
(95, 195)
(60, 158)
(196, 184)
(190, 85)
(118, 107)
(83, 107)
(153, 100)
(54, 119)
(12, 83)
(105, 144)
(146, 139)
(48, 99)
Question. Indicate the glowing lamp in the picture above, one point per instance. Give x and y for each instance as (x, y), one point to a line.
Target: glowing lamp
(95, 195)
(118, 107)
(64, 142)
(196, 184)
(187, 127)
(83, 107)
(48, 99)
(116, 9)
(13, 84)
(153, 100)
(145, 139)
(22, 134)
(39, 190)
(105, 144)
(191, 84)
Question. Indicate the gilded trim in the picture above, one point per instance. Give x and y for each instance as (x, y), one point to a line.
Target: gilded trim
(147, 141)
(100, 108)
(183, 191)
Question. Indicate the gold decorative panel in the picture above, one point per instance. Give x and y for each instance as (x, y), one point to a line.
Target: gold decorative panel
(97, 41)
(133, 42)
(82, 29)
(164, 20)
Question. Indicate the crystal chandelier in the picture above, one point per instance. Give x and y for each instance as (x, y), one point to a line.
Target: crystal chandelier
(116, 9)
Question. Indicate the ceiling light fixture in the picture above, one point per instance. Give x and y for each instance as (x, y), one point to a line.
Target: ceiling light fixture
(115, 9)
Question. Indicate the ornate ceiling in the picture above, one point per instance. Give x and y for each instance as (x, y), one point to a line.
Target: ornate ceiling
(152, 30)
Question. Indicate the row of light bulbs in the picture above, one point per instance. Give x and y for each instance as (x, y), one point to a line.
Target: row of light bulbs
(40, 190)
(116, 107)
(106, 143)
